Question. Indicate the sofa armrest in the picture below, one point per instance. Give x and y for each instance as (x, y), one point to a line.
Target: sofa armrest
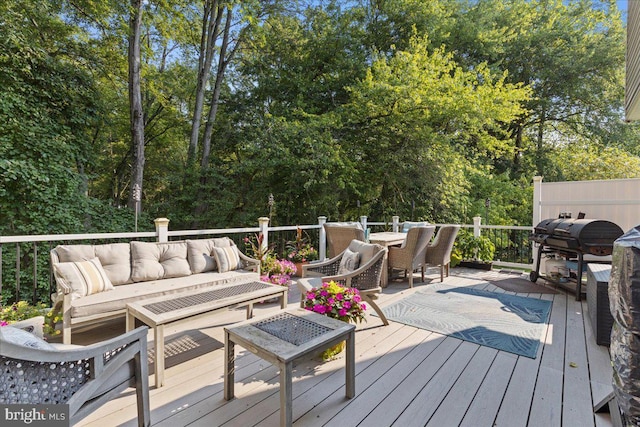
(249, 263)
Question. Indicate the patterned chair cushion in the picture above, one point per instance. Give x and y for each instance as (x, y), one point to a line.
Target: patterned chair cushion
(349, 262)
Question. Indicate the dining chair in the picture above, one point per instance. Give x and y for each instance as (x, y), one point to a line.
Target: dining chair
(340, 235)
(411, 255)
(438, 253)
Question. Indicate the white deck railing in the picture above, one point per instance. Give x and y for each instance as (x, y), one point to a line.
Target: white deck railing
(41, 277)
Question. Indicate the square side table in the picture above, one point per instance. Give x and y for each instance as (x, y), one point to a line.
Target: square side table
(282, 338)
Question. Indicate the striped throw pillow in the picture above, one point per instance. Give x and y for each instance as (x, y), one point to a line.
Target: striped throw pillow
(83, 277)
(227, 258)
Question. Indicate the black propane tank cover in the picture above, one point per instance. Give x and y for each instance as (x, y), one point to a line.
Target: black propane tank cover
(624, 302)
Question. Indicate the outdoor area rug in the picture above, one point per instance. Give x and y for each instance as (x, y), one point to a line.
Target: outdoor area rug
(517, 283)
(501, 321)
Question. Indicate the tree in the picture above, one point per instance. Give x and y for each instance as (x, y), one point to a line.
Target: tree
(570, 53)
(135, 105)
(416, 119)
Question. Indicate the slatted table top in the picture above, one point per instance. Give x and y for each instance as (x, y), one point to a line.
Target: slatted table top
(169, 308)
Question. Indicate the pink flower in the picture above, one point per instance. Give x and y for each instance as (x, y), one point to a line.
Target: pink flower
(343, 312)
(319, 308)
(3, 323)
(324, 293)
(347, 305)
(339, 297)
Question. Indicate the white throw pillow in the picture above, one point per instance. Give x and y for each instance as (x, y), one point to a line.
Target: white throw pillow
(23, 338)
(349, 262)
(83, 277)
(227, 258)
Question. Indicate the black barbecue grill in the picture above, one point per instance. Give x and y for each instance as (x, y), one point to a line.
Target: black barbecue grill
(572, 239)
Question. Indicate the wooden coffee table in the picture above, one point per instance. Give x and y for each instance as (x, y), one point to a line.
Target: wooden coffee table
(160, 311)
(283, 338)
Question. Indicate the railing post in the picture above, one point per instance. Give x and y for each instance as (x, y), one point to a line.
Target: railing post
(537, 200)
(263, 224)
(477, 220)
(322, 239)
(395, 223)
(363, 221)
(162, 229)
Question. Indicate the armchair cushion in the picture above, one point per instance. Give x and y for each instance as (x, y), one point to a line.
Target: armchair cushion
(410, 224)
(349, 262)
(83, 277)
(227, 258)
(23, 338)
(366, 250)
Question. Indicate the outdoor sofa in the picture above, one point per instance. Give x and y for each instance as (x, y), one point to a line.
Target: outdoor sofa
(96, 282)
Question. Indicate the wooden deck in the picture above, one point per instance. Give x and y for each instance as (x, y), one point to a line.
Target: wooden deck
(404, 376)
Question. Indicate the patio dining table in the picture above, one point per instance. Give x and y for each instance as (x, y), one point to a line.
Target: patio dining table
(386, 239)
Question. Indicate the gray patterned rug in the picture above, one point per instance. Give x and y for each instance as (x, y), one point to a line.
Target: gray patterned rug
(501, 321)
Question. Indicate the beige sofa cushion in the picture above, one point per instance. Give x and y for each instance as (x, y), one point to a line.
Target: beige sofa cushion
(200, 253)
(153, 261)
(115, 258)
(83, 277)
(117, 299)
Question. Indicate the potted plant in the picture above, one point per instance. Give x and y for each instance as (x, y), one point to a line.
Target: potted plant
(338, 302)
(277, 271)
(472, 252)
(300, 251)
(37, 318)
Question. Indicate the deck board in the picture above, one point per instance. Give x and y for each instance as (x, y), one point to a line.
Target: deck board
(404, 376)
(577, 408)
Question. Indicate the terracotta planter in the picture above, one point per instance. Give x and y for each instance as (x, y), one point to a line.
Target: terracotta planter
(299, 268)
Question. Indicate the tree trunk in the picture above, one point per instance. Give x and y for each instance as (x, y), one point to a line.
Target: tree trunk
(135, 106)
(210, 25)
(215, 97)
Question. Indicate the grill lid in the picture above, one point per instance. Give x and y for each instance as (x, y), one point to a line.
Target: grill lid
(585, 235)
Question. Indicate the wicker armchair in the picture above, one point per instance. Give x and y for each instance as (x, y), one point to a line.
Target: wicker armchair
(82, 377)
(439, 252)
(366, 278)
(411, 255)
(340, 235)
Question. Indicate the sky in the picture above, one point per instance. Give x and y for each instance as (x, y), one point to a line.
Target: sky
(622, 5)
